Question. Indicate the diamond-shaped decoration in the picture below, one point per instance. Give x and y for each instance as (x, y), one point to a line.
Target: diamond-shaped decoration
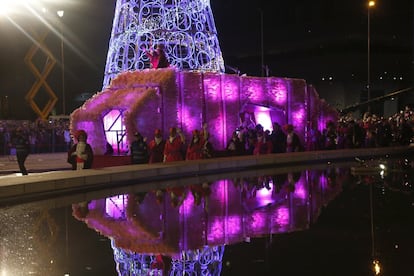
(41, 76)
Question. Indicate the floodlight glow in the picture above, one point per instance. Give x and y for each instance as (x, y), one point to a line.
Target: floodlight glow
(60, 13)
(22, 6)
(10, 6)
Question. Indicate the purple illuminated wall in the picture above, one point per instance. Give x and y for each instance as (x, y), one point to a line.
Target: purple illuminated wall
(164, 98)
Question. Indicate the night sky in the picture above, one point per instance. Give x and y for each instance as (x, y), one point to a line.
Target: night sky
(301, 39)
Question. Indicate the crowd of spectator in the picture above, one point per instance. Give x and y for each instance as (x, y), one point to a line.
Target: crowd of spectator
(44, 136)
(369, 131)
(347, 133)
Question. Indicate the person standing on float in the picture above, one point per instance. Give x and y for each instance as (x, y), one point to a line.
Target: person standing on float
(173, 146)
(196, 147)
(156, 148)
(262, 144)
(139, 150)
(293, 143)
(157, 57)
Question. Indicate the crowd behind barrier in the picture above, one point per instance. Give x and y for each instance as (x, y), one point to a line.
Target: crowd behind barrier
(369, 131)
(44, 136)
(347, 133)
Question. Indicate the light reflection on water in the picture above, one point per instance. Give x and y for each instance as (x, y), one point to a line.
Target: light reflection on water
(179, 228)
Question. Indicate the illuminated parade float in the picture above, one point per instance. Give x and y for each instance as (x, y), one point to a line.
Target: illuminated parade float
(192, 90)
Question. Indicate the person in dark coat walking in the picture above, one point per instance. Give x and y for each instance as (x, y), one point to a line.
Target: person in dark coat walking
(21, 142)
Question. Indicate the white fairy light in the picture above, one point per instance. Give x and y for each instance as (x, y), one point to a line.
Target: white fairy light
(185, 27)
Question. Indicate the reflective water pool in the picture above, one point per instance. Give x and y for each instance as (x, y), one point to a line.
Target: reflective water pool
(331, 219)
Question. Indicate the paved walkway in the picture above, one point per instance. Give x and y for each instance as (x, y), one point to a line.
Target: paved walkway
(35, 163)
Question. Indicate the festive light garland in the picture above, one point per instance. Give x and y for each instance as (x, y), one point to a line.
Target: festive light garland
(185, 28)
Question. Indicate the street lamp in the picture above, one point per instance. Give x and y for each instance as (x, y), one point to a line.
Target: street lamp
(261, 43)
(371, 4)
(60, 13)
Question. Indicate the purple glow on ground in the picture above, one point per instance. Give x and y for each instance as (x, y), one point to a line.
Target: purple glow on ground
(115, 206)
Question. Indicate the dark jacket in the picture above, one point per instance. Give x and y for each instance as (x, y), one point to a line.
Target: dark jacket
(139, 152)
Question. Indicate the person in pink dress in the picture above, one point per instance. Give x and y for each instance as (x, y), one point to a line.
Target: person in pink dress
(157, 57)
(173, 146)
(196, 147)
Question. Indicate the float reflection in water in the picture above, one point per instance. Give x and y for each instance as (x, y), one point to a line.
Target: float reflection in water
(185, 229)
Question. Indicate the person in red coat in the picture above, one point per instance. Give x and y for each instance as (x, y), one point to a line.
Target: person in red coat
(263, 145)
(80, 156)
(156, 148)
(172, 149)
(196, 147)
